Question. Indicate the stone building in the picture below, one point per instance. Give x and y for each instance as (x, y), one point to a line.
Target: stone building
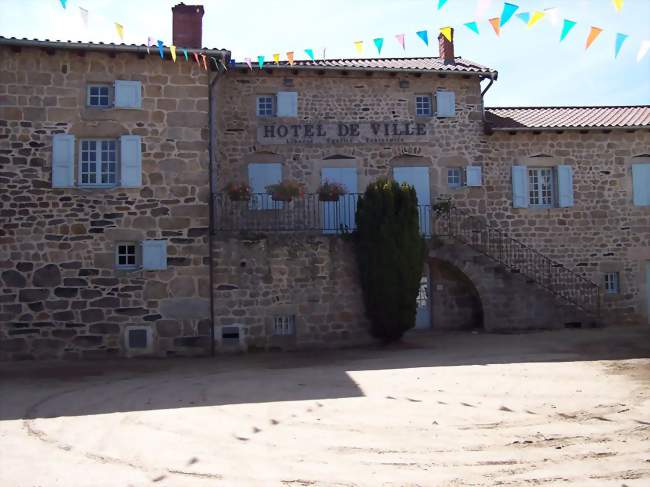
(120, 238)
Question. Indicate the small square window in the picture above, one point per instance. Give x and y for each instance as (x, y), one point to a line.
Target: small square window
(284, 325)
(126, 254)
(138, 340)
(99, 96)
(612, 283)
(265, 106)
(454, 177)
(423, 106)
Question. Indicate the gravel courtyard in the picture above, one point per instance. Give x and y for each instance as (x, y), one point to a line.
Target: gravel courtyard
(566, 407)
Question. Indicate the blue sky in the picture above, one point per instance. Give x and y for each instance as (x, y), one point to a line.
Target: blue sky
(534, 67)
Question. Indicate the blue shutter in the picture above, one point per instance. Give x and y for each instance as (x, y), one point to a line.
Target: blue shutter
(154, 255)
(418, 177)
(565, 186)
(261, 175)
(445, 104)
(340, 214)
(128, 94)
(62, 161)
(641, 184)
(287, 104)
(131, 161)
(473, 176)
(519, 187)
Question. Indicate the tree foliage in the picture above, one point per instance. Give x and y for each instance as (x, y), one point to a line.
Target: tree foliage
(390, 255)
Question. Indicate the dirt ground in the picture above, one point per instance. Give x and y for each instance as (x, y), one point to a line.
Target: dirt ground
(566, 407)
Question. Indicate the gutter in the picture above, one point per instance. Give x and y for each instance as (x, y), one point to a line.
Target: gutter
(486, 127)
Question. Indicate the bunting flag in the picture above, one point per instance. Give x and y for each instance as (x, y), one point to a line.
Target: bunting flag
(290, 58)
(196, 56)
(495, 25)
(358, 45)
(260, 61)
(205, 64)
(63, 2)
(379, 43)
(225, 68)
(119, 28)
(618, 4)
(446, 31)
(524, 17)
(148, 45)
(643, 50)
(620, 39)
(216, 63)
(172, 50)
(509, 10)
(310, 53)
(160, 49)
(424, 35)
(187, 58)
(441, 3)
(593, 33)
(553, 15)
(276, 58)
(84, 16)
(473, 26)
(247, 60)
(536, 17)
(400, 39)
(324, 52)
(566, 28)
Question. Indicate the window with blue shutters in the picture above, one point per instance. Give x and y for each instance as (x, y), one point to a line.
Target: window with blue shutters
(97, 162)
(423, 105)
(98, 96)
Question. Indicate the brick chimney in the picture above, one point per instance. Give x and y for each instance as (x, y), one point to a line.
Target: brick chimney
(187, 27)
(447, 48)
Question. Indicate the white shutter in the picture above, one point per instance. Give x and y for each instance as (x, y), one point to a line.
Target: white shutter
(128, 94)
(154, 255)
(63, 161)
(641, 184)
(565, 186)
(519, 187)
(287, 104)
(131, 161)
(261, 175)
(445, 104)
(473, 176)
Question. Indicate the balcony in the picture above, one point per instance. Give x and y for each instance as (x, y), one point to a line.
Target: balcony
(306, 214)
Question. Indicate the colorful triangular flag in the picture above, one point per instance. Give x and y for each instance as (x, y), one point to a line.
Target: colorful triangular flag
(276, 58)
(196, 56)
(84, 16)
(187, 58)
(172, 50)
(205, 64)
(473, 26)
(524, 17)
(148, 45)
(400, 39)
(290, 58)
(160, 49)
(643, 50)
(260, 61)
(618, 4)
(424, 35)
(620, 39)
(553, 15)
(566, 28)
(358, 45)
(446, 31)
(593, 33)
(310, 53)
(495, 22)
(379, 43)
(119, 28)
(441, 3)
(248, 61)
(509, 10)
(536, 17)
(63, 2)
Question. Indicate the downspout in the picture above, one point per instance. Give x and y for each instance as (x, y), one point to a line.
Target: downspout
(211, 175)
(486, 129)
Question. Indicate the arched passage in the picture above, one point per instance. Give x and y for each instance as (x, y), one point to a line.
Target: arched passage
(455, 301)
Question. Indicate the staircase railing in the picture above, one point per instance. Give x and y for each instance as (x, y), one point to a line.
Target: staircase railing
(517, 257)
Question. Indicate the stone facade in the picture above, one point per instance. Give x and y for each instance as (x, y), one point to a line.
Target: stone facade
(61, 294)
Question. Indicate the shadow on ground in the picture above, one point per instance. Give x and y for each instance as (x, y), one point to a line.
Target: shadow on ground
(53, 389)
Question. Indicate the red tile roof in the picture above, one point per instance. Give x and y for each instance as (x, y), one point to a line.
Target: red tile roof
(549, 118)
(431, 64)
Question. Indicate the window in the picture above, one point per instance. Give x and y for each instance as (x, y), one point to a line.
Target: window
(98, 96)
(261, 175)
(265, 106)
(423, 106)
(126, 255)
(454, 177)
(138, 340)
(98, 162)
(540, 187)
(284, 325)
(612, 283)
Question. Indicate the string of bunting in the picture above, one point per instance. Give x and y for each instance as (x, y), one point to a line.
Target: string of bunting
(509, 11)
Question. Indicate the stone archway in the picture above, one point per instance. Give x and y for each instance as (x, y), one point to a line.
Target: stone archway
(455, 301)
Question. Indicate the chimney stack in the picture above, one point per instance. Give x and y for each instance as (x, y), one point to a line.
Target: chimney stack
(447, 48)
(187, 27)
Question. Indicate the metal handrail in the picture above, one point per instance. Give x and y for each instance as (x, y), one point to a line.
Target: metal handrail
(513, 254)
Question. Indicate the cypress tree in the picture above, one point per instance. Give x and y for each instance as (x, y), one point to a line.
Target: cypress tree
(390, 255)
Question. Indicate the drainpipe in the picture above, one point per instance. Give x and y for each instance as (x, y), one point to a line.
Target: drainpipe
(211, 175)
(493, 77)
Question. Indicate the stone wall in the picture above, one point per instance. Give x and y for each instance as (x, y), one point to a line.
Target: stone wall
(61, 295)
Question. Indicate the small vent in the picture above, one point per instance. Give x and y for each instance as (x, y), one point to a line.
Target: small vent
(230, 335)
(138, 338)
(284, 325)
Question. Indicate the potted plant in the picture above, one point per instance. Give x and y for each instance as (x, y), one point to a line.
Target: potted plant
(330, 191)
(286, 190)
(238, 191)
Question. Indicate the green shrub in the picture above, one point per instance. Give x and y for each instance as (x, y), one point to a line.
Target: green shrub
(390, 255)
